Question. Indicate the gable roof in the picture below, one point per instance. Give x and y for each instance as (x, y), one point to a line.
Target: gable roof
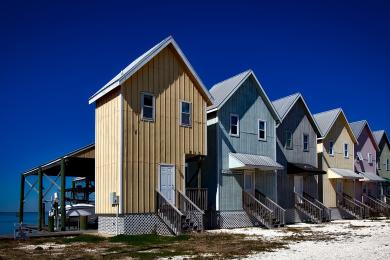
(222, 91)
(326, 120)
(285, 104)
(379, 135)
(138, 63)
(357, 129)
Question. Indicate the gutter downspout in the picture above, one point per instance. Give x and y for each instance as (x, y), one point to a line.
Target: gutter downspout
(120, 164)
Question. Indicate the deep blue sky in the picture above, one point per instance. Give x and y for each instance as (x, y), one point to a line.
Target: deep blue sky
(53, 56)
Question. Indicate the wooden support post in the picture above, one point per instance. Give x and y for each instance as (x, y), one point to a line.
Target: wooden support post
(40, 199)
(62, 197)
(21, 205)
(87, 183)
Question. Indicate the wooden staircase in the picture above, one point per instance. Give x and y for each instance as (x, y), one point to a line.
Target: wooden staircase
(351, 206)
(258, 210)
(278, 212)
(326, 212)
(377, 207)
(185, 218)
(308, 208)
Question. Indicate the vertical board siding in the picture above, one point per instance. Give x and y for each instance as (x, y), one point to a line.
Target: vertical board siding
(339, 135)
(231, 193)
(365, 145)
(147, 144)
(298, 123)
(384, 155)
(107, 148)
(266, 182)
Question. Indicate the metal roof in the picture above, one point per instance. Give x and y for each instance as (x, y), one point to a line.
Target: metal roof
(336, 173)
(222, 91)
(379, 135)
(134, 66)
(357, 128)
(252, 161)
(372, 177)
(285, 104)
(326, 119)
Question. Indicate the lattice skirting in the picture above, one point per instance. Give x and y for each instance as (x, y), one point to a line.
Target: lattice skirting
(236, 219)
(133, 224)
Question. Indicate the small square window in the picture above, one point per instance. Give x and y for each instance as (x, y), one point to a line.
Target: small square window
(331, 148)
(262, 130)
(289, 140)
(234, 125)
(147, 107)
(185, 113)
(305, 142)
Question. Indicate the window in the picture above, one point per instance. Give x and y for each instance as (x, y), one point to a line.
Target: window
(369, 158)
(378, 163)
(289, 140)
(262, 133)
(234, 125)
(185, 113)
(331, 150)
(305, 142)
(346, 152)
(147, 107)
(359, 156)
(387, 165)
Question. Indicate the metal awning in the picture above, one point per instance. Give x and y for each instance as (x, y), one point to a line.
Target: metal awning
(252, 161)
(335, 173)
(371, 177)
(303, 169)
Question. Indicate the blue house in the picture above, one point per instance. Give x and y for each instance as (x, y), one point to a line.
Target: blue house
(241, 157)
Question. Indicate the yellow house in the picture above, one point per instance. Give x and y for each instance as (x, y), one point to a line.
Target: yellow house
(335, 150)
(150, 119)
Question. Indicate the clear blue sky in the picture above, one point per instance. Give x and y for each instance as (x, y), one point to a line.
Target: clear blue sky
(53, 56)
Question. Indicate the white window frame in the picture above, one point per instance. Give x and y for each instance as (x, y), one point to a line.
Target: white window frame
(143, 94)
(359, 156)
(369, 158)
(387, 164)
(378, 163)
(258, 130)
(181, 113)
(303, 142)
(286, 133)
(347, 146)
(238, 125)
(331, 151)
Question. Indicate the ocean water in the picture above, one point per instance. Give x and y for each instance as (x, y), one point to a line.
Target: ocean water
(8, 219)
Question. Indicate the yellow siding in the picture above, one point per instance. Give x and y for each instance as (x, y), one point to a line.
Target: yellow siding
(339, 135)
(107, 151)
(146, 144)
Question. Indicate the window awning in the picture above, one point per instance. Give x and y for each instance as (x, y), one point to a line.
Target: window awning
(252, 161)
(335, 173)
(303, 169)
(371, 177)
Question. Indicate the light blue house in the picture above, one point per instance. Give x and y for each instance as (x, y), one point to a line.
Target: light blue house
(241, 161)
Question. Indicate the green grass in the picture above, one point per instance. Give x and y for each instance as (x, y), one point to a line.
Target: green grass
(142, 240)
(84, 238)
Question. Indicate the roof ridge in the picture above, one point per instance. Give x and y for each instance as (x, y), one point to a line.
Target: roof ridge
(328, 111)
(294, 94)
(232, 77)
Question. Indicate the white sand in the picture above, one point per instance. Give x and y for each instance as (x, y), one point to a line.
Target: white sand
(352, 239)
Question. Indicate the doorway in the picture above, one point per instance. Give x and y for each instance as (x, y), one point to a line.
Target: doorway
(167, 182)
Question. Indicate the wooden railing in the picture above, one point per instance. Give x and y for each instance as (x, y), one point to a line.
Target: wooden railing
(169, 213)
(326, 212)
(198, 196)
(190, 210)
(257, 209)
(347, 203)
(278, 212)
(308, 207)
(386, 199)
(376, 205)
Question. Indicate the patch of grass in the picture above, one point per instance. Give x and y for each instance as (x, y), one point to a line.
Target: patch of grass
(355, 226)
(144, 240)
(83, 238)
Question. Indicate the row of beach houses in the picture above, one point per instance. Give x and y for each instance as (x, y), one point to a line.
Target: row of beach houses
(181, 157)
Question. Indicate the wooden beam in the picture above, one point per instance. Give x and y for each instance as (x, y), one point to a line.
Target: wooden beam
(21, 205)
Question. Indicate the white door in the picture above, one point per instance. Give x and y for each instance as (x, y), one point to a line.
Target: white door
(167, 182)
(298, 184)
(248, 182)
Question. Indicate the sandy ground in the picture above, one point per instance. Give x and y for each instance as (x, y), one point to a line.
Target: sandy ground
(342, 239)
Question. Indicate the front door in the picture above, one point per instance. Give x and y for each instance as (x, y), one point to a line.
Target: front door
(167, 182)
(248, 182)
(298, 184)
(339, 186)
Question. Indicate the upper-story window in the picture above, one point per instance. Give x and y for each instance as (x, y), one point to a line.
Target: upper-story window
(387, 165)
(305, 142)
(234, 125)
(147, 107)
(185, 113)
(378, 163)
(346, 151)
(289, 140)
(369, 158)
(331, 148)
(262, 130)
(359, 156)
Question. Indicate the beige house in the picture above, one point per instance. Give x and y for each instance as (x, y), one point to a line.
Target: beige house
(150, 120)
(335, 150)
